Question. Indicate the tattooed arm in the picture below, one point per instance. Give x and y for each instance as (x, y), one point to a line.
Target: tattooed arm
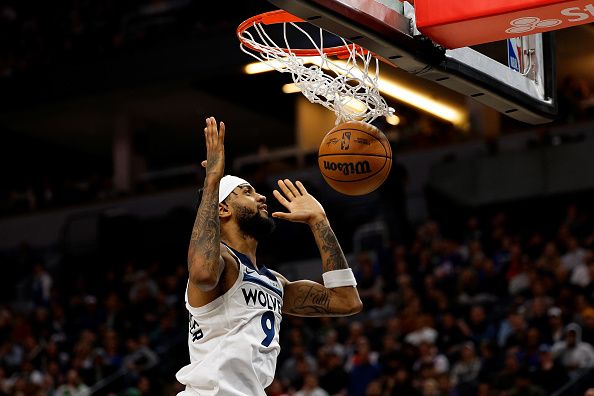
(205, 264)
(307, 298)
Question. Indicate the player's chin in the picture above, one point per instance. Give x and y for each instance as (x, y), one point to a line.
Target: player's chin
(264, 213)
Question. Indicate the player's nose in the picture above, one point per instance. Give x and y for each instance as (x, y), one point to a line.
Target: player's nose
(261, 198)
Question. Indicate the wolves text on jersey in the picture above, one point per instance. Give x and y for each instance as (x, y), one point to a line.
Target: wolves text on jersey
(254, 297)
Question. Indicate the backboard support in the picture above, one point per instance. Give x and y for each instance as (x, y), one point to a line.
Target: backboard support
(529, 97)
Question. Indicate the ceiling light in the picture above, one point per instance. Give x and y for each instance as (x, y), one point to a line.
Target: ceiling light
(263, 67)
(417, 99)
(422, 101)
(354, 106)
(413, 97)
(258, 67)
(393, 119)
(291, 88)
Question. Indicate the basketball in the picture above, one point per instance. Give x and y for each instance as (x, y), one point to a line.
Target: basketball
(355, 158)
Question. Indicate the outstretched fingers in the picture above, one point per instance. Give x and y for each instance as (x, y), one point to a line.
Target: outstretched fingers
(301, 187)
(285, 189)
(208, 132)
(281, 199)
(289, 189)
(221, 132)
(214, 137)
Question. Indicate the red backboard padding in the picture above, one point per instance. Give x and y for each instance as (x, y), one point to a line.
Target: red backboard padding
(455, 24)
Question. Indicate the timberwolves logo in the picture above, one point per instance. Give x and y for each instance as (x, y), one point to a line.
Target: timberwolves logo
(346, 141)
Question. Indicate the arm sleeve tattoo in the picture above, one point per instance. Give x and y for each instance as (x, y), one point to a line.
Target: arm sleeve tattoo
(205, 246)
(332, 255)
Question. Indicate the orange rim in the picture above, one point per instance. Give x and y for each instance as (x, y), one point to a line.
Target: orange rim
(282, 16)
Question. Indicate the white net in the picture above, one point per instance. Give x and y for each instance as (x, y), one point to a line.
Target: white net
(347, 85)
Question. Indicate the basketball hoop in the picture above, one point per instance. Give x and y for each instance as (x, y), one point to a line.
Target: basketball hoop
(339, 78)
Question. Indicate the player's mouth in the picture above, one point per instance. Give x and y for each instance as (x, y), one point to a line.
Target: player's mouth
(264, 208)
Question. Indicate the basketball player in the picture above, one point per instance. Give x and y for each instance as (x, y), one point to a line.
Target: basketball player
(234, 303)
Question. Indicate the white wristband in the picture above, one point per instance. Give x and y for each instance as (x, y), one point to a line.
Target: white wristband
(339, 278)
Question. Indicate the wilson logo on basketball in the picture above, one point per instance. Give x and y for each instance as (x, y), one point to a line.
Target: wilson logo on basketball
(348, 168)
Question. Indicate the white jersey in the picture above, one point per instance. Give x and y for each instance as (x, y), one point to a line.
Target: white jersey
(233, 340)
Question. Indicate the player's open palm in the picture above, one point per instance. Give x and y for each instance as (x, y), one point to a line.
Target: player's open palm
(215, 148)
(302, 206)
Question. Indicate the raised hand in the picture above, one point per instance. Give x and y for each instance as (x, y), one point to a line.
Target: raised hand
(302, 206)
(215, 149)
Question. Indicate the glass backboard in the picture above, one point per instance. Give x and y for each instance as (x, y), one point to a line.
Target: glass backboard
(387, 28)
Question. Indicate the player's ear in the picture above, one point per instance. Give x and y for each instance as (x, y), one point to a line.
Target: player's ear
(224, 210)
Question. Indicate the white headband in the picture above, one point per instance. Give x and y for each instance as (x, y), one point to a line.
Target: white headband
(229, 183)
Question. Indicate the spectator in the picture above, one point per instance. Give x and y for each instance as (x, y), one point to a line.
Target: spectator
(299, 355)
(512, 330)
(428, 354)
(355, 332)
(430, 387)
(142, 388)
(530, 349)
(108, 358)
(391, 357)
(449, 333)
(573, 353)
(374, 389)
(480, 327)
(310, 387)
(550, 261)
(574, 257)
(524, 387)
(140, 356)
(536, 313)
(364, 370)
(368, 283)
(73, 386)
(331, 345)
(490, 362)
(276, 389)
(504, 380)
(550, 374)
(42, 285)
(556, 329)
(466, 371)
(400, 383)
(424, 331)
(335, 380)
(446, 387)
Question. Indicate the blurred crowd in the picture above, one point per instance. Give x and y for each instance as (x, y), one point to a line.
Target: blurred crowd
(80, 336)
(493, 313)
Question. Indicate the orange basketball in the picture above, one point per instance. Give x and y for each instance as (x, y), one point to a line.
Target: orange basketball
(355, 158)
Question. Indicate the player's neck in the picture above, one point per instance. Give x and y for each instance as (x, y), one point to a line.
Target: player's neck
(242, 243)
